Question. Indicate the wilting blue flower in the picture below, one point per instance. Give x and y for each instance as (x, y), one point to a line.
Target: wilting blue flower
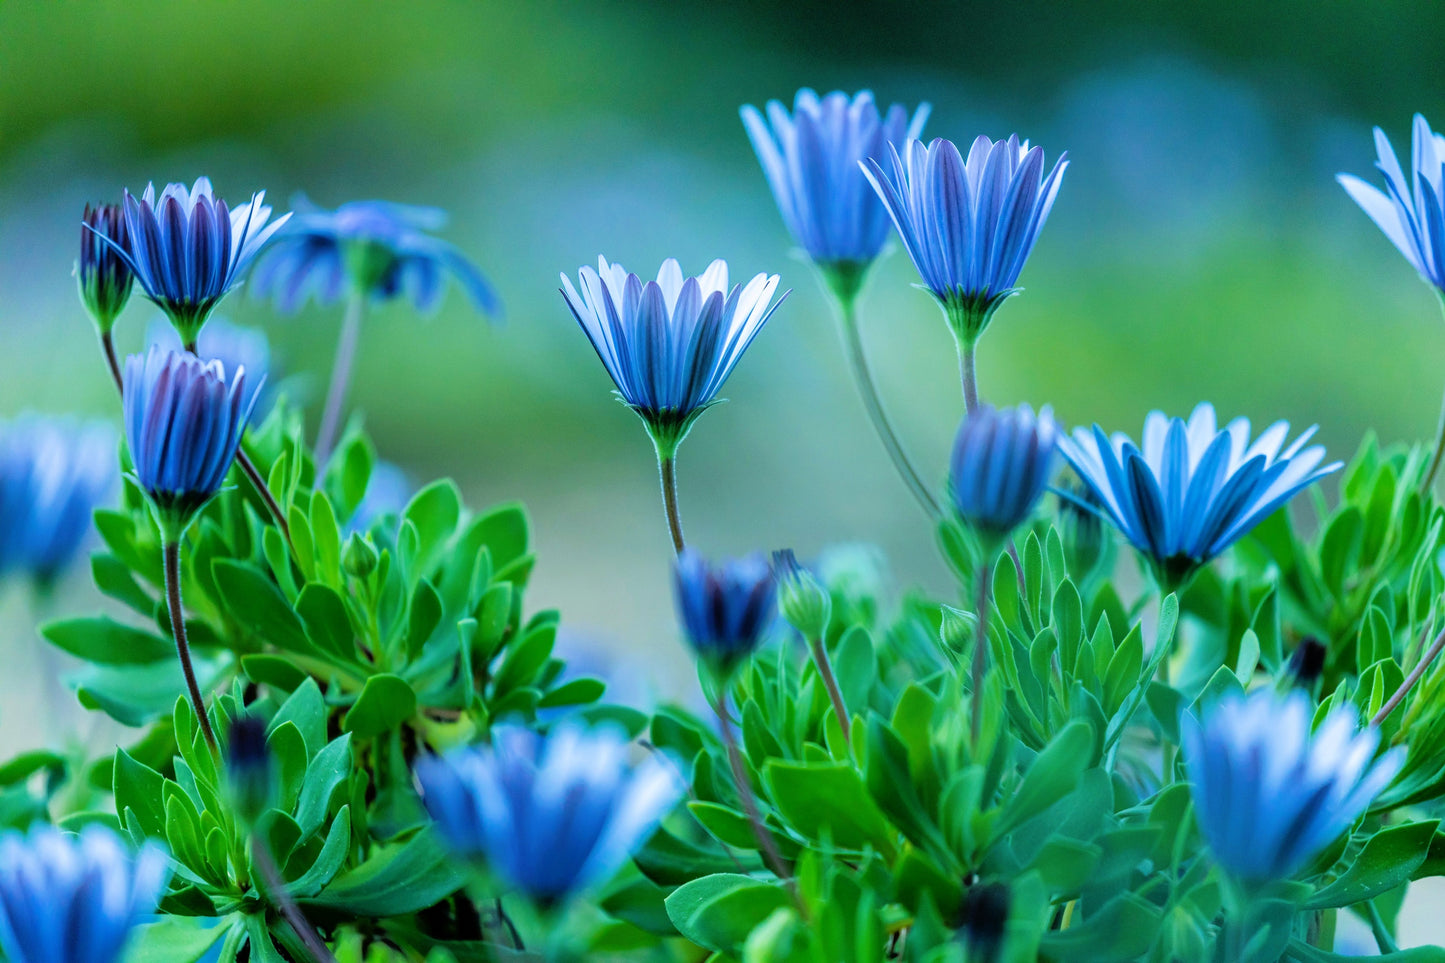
(183, 423)
(1192, 491)
(102, 274)
(188, 249)
(968, 225)
(669, 344)
(234, 345)
(1269, 794)
(54, 473)
(811, 161)
(550, 814)
(74, 899)
(377, 247)
(1412, 214)
(1001, 464)
(725, 609)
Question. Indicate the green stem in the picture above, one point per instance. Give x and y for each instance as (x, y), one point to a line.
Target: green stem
(1410, 681)
(1383, 939)
(766, 844)
(172, 558)
(107, 344)
(281, 898)
(667, 470)
(1429, 478)
(340, 376)
(980, 653)
(830, 682)
(868, 390)
(968, 373)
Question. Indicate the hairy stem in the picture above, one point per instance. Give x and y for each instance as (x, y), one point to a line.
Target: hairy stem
(968, 373)
(1429, 478)
(868, 391)
(107, 345)
(281, 898)
(980, 651)
(340, 377)
(1415, 675)
(830, 682)
(172, 558)
(667, 469)
(766, 843)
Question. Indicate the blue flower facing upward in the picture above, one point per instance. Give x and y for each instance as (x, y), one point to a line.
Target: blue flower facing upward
(1411, 213)
(726, 609)
(1192, 491)
(1001, 464)
(551, 815)
(74, 899)
(184, 419)
(968, 224)
(1269, 794)
(188, 249)
(669, 344)
(54, 473)
(380, 249)
(102, 274)
(811, 160)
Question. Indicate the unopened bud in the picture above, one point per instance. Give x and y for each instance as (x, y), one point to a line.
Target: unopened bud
(984, 917)
(248, 767)
(359, 555)
(803, 600)
(1307, 662)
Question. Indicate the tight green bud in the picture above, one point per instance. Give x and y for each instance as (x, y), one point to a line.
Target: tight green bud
(802, 599)
(359, 556)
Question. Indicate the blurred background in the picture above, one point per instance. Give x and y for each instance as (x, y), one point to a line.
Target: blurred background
(1200, 248)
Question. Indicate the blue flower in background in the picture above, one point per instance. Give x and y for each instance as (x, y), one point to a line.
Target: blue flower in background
(968, 225)
(1193, 490)
(188, 249)
(102, 273)
(726, 609)
(54, 473)
(183, 423)
(387, 492)
(377, 247)
(1411, 213)
(1001, 464)
(74, 898)
(811, 161)
(669, 344)
(550, 814)
(1268, 793)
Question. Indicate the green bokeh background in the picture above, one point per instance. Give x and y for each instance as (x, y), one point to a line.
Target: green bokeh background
(1200, 248)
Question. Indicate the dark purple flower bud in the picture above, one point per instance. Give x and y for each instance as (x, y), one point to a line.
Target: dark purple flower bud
(248, 767)
(725, 609)
(1001, 464)
(102, 275)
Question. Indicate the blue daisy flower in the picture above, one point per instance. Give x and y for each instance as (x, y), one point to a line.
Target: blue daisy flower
(811, 159)
(1001, 464)
(1270, 794)
(377, 247)
(1411, 213)
(725, 609)
(74, 898)
(551, 815)
(1192, 491)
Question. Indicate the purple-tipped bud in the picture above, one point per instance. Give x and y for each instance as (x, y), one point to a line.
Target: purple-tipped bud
(102, 275)
(803, 600)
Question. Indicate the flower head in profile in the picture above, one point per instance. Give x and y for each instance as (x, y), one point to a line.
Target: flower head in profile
(669, 344)
(1193, 490)
(188, 249)
(74, 898)
(1269, 793)
(381, 249)
(811, 159)
(102, 274)
(54, 473)
(726, 609)
(968, 224)
(1411, 213)
(235, 346)
(1000, 467)
(550, 814)
(184, 418)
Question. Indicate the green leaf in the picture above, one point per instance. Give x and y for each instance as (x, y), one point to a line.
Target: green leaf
(386, 701)
(328, 770)
(259, 607)
(307, 709)
(329, 861)
(395, 881)
(525, 659)
(574, 693)
(829, 801)
(718, 912)
(1300, 952)
(1122, 930)
(107, 642)
(115, 578)
(323, 613)
(435, 512)
(175, 939)
(288, 749)
(1054, 774)
(503, 530)
(276, 671)
(138, 789)
(1387, 861)
(136, 695)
